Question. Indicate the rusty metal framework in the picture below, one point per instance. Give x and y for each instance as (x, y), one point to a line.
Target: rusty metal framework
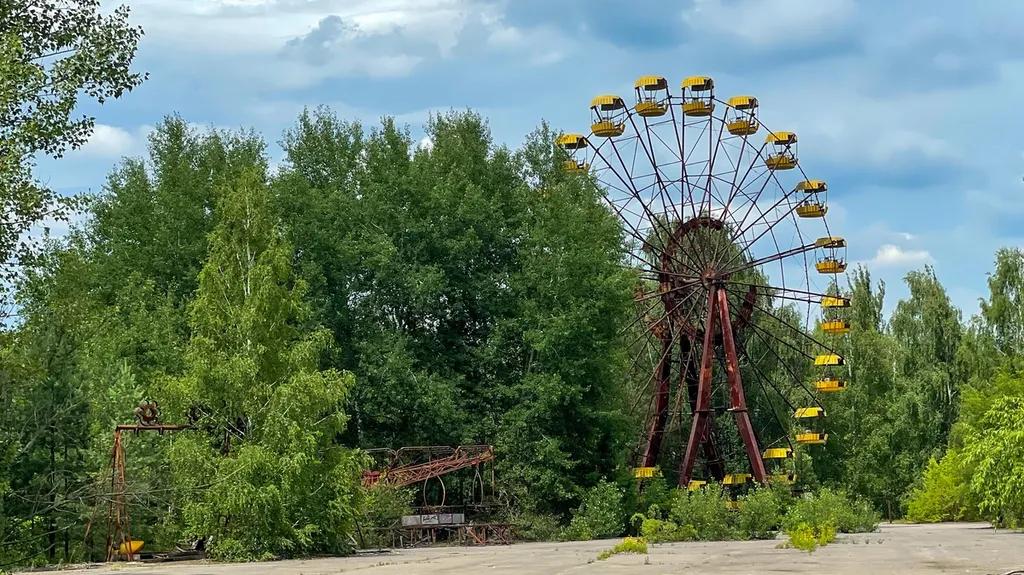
(119, 540)
(410, 465)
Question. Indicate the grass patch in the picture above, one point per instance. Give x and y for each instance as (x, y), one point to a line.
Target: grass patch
(635, 545)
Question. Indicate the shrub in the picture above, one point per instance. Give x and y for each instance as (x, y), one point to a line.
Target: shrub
(943, 493)
(628, 545)
(831, 507)
(600, 515)
(705, 512)
(536, 526)
(656, 530)
(808, 538)
(761, 514)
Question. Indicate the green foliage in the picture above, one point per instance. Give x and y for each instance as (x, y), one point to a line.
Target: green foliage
(760, 513)
(53, 53)
(635, 545)
(943, 493)
(809, 537)
(704, 511)
(382, 509)
(599, 516)
(261, 475)
(995, 453)
(833, 509)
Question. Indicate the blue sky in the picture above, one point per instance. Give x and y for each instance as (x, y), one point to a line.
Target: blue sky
(911, 110)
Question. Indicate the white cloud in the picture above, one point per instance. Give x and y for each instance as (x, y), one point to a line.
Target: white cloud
(890, 255)
(771, 23)
(108, 142)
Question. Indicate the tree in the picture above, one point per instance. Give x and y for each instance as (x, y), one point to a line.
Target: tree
(52, 54)
(261, 475)
(1003, 312)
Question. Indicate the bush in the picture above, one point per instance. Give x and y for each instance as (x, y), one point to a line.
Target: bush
(832, 507)
(532, 526)
(705, 512)
(760, 514)
(599, 516)
(943, 493)
(628, 545)
(657, 530)
(808, 538)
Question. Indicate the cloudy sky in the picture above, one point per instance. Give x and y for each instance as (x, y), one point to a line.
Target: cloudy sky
(911, 110)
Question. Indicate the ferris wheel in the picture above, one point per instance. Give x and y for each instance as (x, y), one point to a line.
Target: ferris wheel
(738, 315)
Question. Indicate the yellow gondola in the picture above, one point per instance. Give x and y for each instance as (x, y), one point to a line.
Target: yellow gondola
(651, 96)
(777, 453)
(828, 360)
(698, 96)
(829, 385)
(834, 302)
(572, 144)
(644, 472)
(784, 155)
(835, 326)
(783, 478)
(736, 479)
(742, 119)
(811, 209)
(811, 438)
(830, 265)
(609, 116)
(695, 484)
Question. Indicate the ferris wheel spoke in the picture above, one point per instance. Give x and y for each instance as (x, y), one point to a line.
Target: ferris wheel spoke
(785, 366)
(648, 151)
(639, 199)
(774, 257)
(794, 329)
(801, 295)
(680, 132)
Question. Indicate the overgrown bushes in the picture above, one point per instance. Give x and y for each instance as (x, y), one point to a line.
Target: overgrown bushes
(708, 514)
(600, 515)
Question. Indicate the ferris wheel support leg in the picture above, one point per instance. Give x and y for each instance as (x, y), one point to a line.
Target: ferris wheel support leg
(737, 400)
(700, 430)
(656, 431)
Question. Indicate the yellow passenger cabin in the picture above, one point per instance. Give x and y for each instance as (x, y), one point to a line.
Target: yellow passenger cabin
(811, 209)
(808, 412)
(736, 479)
(829, 385)
(830, 265)
(644, 472)
(572, 144)
(828, 360)
(811, 438)
(698, 96)
(777, 453)
(609, 114)
(695, 484)
(742, 118)
(783, 151)
(651, 96)
(835, 302)
(835, 326)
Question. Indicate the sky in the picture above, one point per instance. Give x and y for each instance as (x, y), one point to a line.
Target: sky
(911, 110)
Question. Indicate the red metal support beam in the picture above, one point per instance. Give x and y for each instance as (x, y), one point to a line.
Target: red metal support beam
(702, 415)
(737, 400)
(656, 431)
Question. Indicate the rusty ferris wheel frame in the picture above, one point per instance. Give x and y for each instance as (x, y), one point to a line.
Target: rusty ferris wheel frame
(720, 223)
